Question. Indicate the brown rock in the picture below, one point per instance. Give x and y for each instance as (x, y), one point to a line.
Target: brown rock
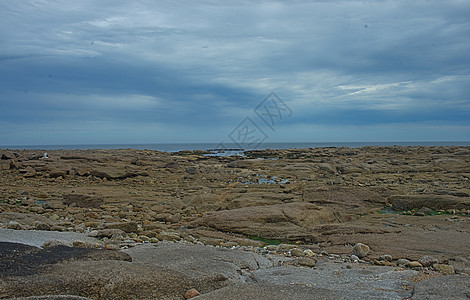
(81, 200)
(56, 173)
(289, 221)
(124, 226)
(172, 165)
(191, 293)
(408, 202)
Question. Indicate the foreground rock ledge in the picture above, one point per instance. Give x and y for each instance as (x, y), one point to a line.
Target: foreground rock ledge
(168, 270)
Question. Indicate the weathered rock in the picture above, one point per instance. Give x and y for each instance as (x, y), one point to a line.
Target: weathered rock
(5, 155)
(81, 200)
(115, 173)
(107, 233)
(297, 252)
(14, 225)
(289, 221)
(28, 220)
(124, 226)
(444, 269)
(408, 202)
(427, 261)
(386, 257)
(361, 250)
(56, 173)
(191, 170)
(414, 264)
(172, 165)
(443, 287)
(28, 172)
(306, 262)
(460, 264)
(191, 293)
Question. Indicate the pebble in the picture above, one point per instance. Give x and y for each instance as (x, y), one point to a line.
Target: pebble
(361, 250)
(354, 258)
(191, 293)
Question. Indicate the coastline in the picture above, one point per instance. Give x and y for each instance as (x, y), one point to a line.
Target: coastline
(403, 203)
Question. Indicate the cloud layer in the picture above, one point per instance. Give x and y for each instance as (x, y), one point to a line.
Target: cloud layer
(186, 71)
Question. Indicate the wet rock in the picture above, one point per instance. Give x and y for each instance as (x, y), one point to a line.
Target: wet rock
(361, 250)
(241, 164)
(327, 167)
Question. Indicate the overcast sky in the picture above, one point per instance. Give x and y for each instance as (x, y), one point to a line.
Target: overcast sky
(100, 72)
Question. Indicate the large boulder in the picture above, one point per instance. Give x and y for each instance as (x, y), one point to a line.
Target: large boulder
(290, 221)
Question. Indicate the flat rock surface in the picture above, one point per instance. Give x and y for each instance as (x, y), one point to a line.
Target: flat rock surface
(38, 237)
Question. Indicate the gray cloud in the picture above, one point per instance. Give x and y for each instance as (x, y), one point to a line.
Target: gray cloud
(207, 64)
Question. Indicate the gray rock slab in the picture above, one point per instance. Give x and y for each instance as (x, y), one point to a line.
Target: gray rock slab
(199, 260)
(443, 287)
(359, 282)
(38, 237)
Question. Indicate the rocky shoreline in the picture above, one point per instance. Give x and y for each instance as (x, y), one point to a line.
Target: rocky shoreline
(405, 209)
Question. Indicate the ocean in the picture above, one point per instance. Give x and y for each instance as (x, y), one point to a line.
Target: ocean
(174, 147)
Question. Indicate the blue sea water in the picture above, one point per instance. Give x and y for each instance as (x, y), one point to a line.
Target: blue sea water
(205, 146)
